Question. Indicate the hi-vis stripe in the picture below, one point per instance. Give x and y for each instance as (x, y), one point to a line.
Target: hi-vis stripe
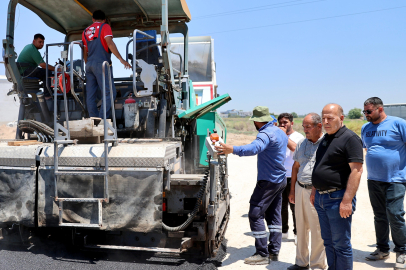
(275, 228)
(261, 234)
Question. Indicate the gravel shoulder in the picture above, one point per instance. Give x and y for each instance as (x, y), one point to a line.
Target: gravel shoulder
(242, 180)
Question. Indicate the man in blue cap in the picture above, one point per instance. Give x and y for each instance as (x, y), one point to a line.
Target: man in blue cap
(266, 200)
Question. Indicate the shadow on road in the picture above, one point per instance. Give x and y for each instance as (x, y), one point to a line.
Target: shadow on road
(56, 251)
(359, 256)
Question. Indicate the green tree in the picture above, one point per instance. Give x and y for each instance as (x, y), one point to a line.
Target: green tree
(354, 113)
(294, 115)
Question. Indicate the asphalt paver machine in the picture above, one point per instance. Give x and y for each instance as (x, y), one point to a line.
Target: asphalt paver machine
(148, 179)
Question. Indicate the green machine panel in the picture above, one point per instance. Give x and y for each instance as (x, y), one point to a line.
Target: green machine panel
(210, 120)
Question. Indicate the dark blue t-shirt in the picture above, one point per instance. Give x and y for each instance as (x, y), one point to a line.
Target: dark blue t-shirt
(386, 149)
(270, 145)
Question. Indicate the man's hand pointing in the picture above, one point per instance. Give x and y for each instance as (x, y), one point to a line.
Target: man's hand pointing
(224, 149)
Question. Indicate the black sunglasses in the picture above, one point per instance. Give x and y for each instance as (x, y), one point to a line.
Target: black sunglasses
(368, 111)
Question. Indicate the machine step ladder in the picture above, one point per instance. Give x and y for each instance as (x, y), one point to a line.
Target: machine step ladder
(66, 140)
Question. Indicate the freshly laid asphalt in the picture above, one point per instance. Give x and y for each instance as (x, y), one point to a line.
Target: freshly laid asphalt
(51, 254)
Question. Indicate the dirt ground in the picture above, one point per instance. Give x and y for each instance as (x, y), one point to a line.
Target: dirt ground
(239, 139)
(242, 180)
(7, 132)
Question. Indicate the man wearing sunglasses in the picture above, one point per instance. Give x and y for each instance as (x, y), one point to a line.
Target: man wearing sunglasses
(384, 138)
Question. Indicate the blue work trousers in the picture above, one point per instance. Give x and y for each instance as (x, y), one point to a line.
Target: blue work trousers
(387, 204)
(335, 230)
(266, 202)
(94, 84)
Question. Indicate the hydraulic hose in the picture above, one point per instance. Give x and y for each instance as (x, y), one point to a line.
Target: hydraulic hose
(42, 130)
(192, 215)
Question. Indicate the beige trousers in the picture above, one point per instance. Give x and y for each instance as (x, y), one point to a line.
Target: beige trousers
(307, 221)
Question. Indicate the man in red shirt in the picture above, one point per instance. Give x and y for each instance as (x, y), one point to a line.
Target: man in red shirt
(98, 47)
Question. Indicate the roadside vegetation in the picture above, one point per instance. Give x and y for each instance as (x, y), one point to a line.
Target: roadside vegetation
(245, 126)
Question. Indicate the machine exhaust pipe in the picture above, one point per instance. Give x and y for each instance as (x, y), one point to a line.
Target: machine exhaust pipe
(162, 118)
(44, 107)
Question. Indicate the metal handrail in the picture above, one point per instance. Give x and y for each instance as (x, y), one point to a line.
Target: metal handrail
(72, 86)
(107, 126)
(57, 127)
(180, 56)
(135, 60)
(113, 113)
(56, 124)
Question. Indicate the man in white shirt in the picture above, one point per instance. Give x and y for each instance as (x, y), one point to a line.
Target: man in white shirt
(286, 124)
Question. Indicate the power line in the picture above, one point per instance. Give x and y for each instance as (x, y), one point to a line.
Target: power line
(259, 8)
(309, 20)
(238, 10)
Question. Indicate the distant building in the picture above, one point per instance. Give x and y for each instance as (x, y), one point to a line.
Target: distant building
(398, 110)
(236, 113)
(244, 114)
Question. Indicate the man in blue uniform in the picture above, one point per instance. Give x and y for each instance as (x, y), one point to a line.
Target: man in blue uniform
(384, 137)
(99, 45)
(266, 200)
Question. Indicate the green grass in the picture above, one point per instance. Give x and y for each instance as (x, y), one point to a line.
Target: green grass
(245, 126)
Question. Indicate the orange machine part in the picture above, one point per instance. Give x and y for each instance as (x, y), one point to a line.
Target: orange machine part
(214, 137)
(67, 83)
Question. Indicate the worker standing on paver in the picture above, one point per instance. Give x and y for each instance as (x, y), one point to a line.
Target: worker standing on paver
(336, 176)
(266, 200)
(300, 191)
(286, 124)
(98, 42)
(384, 137)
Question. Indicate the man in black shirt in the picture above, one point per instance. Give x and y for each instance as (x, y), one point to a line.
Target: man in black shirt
(336, 176)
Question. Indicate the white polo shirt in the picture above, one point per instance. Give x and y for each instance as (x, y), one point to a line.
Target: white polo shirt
(296, 137)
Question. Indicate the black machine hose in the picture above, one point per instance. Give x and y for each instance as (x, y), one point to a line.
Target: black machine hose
(43, 131)
(192, 215)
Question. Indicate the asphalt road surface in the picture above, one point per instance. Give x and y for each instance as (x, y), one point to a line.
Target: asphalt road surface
(51, 254)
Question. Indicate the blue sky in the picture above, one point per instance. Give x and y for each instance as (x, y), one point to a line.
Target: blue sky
(293, 55)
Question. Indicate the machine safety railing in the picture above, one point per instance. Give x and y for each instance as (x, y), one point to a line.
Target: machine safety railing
(59, 139)
(58, 127)
(71, 73)
(72, 86)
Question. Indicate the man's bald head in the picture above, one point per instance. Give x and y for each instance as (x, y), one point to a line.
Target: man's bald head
(334, 108)
(332, 117)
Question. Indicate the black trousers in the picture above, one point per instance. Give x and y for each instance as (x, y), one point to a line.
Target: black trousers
(387, 204)
(266, 201)
(40, 73)
(285, 209)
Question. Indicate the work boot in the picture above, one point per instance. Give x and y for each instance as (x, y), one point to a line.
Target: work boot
(297, 267)
(273, 257)
(256, 259)
(377, 255)
(400, 261)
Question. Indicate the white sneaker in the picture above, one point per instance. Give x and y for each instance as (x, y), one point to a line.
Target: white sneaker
(400, 261)
(295, 240)
(285, 235)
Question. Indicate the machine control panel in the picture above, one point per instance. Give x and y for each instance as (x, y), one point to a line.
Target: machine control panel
(211, 141)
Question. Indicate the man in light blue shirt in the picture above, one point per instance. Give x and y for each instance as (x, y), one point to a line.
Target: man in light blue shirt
(266, 200)
(384, 137)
